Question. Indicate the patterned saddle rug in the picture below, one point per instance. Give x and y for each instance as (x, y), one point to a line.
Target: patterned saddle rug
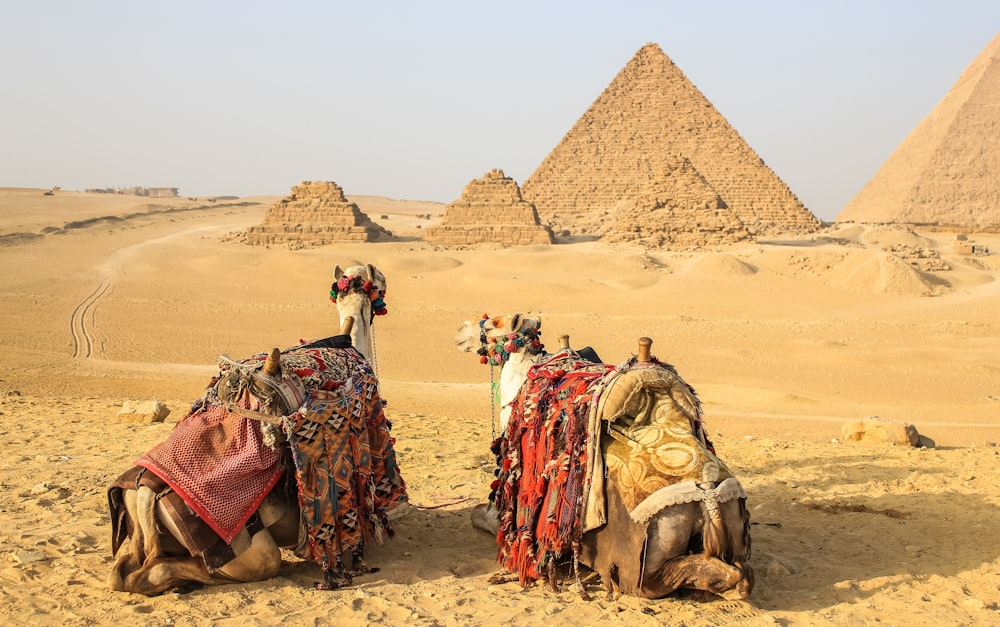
(223, 465)
(550, 488)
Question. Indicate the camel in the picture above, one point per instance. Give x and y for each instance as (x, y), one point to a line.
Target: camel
(251, 441)
(608, 467)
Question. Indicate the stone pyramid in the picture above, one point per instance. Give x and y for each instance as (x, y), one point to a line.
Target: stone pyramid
(649, 113)
(678, 210)
(315, 214)
(947, 170)
(490, 210)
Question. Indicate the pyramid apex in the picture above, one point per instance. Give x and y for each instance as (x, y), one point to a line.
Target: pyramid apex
(650, 48)
(992, 49)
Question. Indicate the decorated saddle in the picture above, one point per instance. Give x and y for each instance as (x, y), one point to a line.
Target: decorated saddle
(553, 462)
(223, 464)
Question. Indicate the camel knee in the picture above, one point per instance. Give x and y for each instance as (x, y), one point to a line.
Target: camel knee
(261, 560)
(126, 562)
(162, 574)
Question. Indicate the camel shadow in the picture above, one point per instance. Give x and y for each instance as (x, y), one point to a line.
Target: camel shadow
(838, 537)
(426, 545)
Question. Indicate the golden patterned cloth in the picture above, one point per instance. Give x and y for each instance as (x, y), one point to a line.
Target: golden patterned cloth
(658, 452)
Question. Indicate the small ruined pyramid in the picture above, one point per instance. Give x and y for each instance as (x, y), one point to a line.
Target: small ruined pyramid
(490, 210)
(947, 170)
(649, 113)
(678, 210)
(315, 214)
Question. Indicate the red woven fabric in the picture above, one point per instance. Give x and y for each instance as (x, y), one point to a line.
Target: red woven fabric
(218, 463)
(544, 458)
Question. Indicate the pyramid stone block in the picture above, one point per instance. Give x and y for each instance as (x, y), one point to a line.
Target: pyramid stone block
(490, 210)
(678, 210)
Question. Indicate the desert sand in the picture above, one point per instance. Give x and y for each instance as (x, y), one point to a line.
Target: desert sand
(784, 340)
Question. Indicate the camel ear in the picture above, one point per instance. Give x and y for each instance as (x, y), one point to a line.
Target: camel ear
(337, 272)
(515, 320)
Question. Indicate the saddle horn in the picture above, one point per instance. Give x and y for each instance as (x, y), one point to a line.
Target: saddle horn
(272, 367)
(644, 344)
(563, 341)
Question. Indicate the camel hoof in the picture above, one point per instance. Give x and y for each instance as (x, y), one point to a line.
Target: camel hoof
(399, 511)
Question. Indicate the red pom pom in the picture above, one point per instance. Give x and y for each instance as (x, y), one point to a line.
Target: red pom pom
(484, 359)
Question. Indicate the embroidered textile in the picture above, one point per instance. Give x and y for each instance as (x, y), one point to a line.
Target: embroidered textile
(223, 465)
(346, 469)
(657, 452)
(543, 454)
(550, 486)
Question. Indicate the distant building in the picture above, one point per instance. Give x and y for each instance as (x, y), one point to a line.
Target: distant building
(152, 192)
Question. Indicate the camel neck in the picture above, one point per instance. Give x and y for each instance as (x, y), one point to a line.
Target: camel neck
(512, 377)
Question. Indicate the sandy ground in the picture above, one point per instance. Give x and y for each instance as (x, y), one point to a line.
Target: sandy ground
(105, 300)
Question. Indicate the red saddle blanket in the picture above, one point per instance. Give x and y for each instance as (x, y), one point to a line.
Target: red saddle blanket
(218, 463)
(544, 462)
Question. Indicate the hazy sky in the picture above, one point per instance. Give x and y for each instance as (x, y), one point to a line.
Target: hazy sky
(413, 100)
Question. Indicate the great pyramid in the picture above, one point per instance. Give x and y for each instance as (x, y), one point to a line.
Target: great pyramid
(647, 115)
(315, 214)
(490, 210)
(947, 170)
(678, 210)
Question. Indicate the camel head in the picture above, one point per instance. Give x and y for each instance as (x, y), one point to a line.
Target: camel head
(357, 289)
(359, 293)
(496, 339)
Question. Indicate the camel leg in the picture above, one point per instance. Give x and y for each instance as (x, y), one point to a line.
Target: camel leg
(129, 557)
(737, 521)
(671, 568)
(698, 572)
(165, 573)
(260, 561)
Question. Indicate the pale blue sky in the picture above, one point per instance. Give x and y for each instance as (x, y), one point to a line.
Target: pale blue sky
(413, 100)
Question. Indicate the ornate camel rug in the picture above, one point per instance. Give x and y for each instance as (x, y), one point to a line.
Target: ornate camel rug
(347, 473)
(554, 466)
(223, 465)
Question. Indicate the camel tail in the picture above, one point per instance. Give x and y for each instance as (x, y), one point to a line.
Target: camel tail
(715, 540)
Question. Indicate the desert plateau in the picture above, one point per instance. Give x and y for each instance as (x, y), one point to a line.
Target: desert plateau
(107, 299)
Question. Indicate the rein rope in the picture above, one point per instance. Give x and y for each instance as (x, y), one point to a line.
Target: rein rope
(494, 391)
(371, 340)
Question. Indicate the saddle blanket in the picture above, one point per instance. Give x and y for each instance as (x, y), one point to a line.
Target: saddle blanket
(554, 465)
(347, 473)
(218, 463)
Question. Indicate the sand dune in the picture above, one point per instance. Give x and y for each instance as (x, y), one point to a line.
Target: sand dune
(785, 341)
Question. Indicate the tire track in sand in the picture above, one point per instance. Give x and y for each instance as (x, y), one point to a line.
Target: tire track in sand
(82, 322)
(82, 327)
